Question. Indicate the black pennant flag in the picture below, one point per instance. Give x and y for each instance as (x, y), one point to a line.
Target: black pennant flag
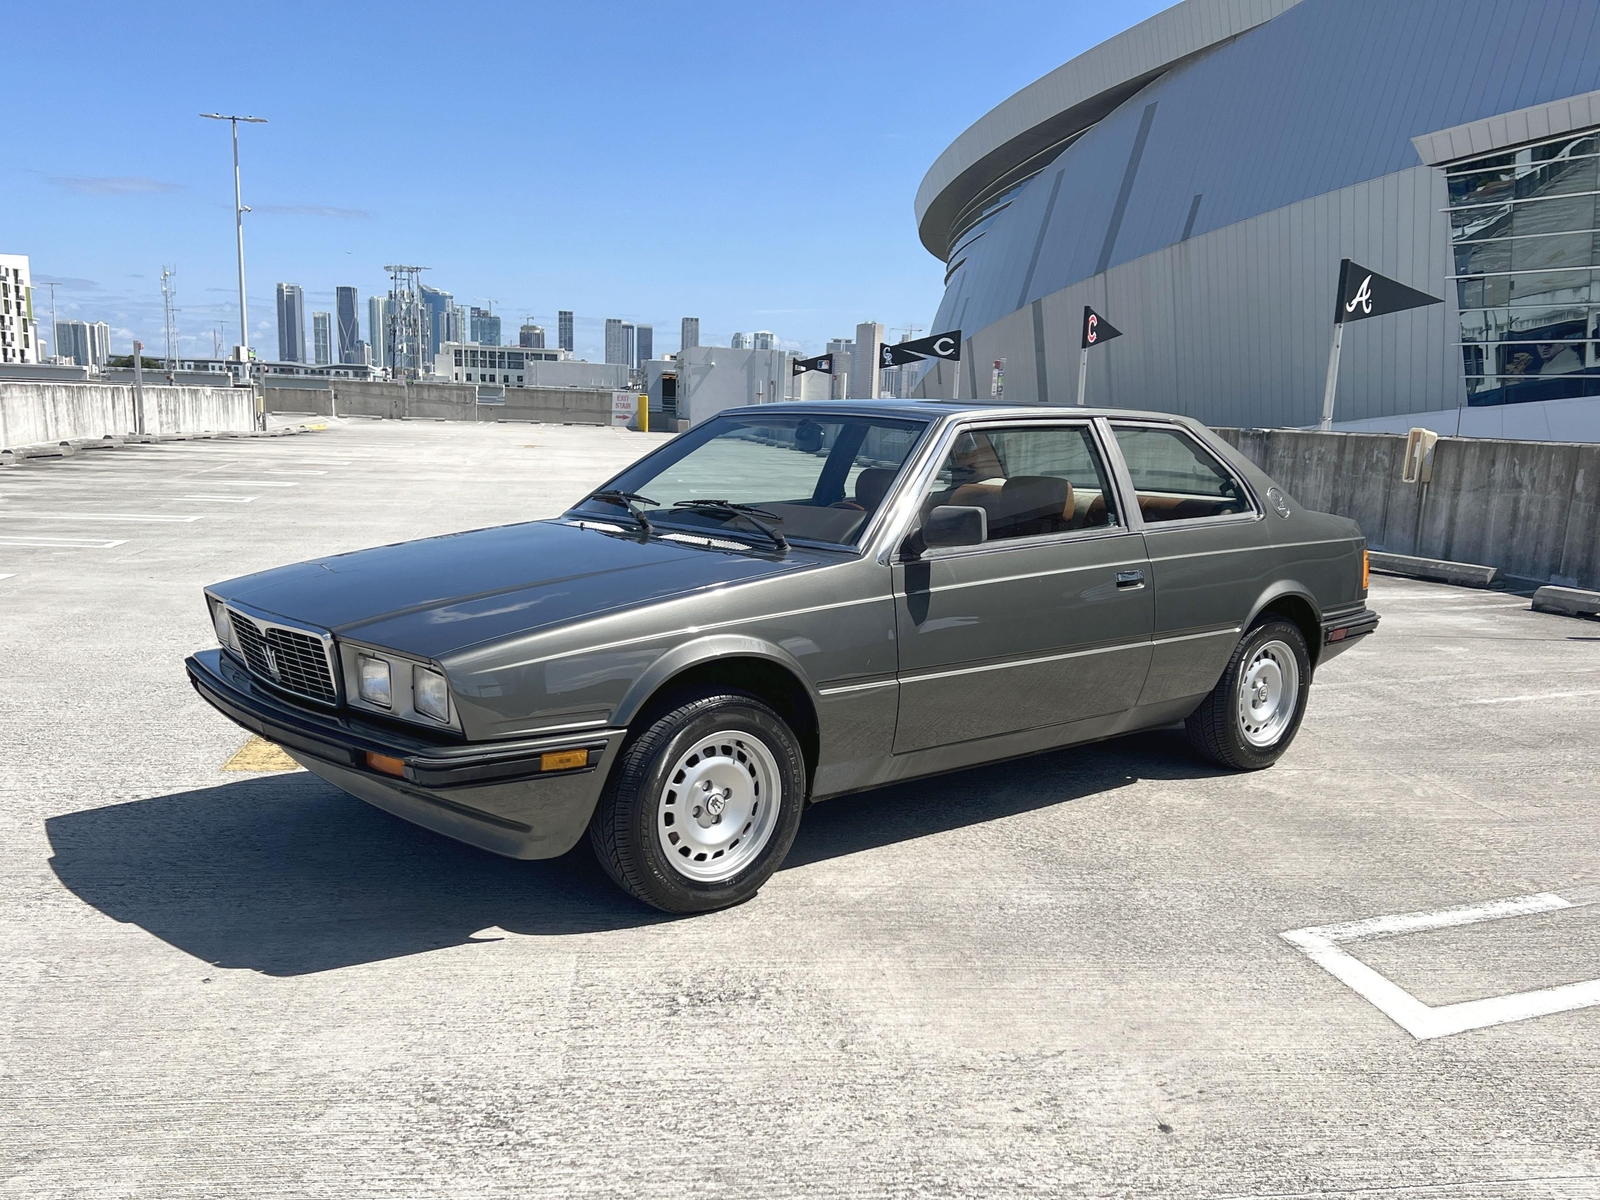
(939, 345)
(1364, 293)
(822, 362)
(1097, 329)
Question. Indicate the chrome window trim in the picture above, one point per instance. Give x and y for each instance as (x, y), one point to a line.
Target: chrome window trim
(1258, 510)
(914, 482)
(330, 652)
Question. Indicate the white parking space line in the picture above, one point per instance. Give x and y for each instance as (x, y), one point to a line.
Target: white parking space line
(223, 499)
(12, 575)
(1538, 696)
(61, 543)
(275, 471)
(1322, 945)
(251, 482)
(159, 518)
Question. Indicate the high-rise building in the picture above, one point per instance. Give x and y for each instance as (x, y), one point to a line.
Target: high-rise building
(864, 368)
(843, 351)
(378, 329)
(346, 307)
(86, 343)
(291, 323)
(564, 330)
(485, 329)
(436, 305)
(531, 337)
(740, 341)
(690, 334)
(619, 341)
(645, 339)
(322, 338)
(764, 339)
(19, 332)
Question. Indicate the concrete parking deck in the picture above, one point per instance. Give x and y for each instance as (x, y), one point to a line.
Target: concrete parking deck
(1061, 976)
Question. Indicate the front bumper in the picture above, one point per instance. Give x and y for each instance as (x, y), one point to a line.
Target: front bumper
(489, 794)
(1338, 632)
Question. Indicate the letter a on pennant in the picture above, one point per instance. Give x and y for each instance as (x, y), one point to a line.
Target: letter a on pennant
(1364, 293)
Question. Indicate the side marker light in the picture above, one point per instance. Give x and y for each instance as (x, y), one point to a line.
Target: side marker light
(563, 760)
(386, 764)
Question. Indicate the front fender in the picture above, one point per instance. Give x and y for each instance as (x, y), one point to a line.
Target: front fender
(711, 648)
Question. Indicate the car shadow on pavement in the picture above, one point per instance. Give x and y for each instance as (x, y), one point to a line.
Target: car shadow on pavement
(287, 875)
(903, 811)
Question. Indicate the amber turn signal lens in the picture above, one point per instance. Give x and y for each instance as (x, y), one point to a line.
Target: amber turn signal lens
(1366, 570)
(563, 760)
(386, 764)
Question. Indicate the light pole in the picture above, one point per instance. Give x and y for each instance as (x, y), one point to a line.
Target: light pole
(238, 221)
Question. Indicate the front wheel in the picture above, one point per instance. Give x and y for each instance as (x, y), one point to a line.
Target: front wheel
(1253, 713)
(703, 804)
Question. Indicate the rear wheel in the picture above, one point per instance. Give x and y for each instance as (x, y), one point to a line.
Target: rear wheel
(703, 805)
(1253, 713)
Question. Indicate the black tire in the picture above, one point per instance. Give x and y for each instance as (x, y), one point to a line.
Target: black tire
(1218, 728)
(627, 832)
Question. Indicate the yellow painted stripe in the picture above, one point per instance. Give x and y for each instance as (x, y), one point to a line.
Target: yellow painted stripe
(258, 754)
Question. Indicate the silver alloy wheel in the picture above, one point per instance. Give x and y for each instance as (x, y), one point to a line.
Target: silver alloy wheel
(719, 806)
(1269, 689)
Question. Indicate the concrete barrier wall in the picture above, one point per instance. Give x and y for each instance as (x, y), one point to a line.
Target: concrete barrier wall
(32, 413)
(443, 402)
(1530, 508)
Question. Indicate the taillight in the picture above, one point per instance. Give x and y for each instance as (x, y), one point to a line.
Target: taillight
(1366, 570)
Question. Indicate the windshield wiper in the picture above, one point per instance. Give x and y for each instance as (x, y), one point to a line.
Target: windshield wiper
(727, 509)
(631, 501)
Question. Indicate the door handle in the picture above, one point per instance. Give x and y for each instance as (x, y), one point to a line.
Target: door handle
(1130, 580)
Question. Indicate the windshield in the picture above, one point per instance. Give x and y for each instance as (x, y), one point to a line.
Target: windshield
(814, 478)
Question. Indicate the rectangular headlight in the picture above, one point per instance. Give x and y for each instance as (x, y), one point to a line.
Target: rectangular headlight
(223, 626)
(430, 694)
(373, 680)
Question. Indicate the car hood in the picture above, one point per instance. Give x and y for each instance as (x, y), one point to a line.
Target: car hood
(443, 594)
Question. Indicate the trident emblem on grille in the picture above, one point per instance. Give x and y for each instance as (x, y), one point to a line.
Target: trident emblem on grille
(272, 661)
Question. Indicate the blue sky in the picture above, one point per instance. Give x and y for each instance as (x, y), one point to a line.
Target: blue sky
(753, 165)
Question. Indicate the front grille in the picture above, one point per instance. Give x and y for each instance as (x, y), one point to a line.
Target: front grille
(286, 658)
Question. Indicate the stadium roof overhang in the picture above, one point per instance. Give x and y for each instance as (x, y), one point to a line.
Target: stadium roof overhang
(1020, 136)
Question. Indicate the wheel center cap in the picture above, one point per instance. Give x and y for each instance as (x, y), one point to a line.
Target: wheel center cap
(1260, 691)
(716, 802)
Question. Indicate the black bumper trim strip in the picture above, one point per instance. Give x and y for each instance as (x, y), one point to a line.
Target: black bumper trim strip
(426, 766)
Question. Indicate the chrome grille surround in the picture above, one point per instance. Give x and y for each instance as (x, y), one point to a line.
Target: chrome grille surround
(297, 659)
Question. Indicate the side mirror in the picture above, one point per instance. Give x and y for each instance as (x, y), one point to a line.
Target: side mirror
(955, 525)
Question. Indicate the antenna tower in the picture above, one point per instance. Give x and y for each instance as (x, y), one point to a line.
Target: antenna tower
(408, 321)
(169, 312)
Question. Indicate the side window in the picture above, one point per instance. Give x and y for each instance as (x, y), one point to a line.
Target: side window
(1028, 480)
(1175, 477)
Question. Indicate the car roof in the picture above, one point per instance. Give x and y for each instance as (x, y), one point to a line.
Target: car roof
(938, 410)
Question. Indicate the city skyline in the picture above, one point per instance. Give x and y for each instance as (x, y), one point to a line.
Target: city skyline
(720, 233)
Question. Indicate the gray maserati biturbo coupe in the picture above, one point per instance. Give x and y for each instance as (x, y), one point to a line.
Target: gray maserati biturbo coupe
(786, 604)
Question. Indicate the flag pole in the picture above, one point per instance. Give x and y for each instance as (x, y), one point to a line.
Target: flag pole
(1331, 389)
(1083, 373)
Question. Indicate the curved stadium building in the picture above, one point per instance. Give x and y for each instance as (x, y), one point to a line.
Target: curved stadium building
(1198, 178)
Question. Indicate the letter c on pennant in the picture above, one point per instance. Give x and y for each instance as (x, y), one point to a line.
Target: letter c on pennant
(1092, 334)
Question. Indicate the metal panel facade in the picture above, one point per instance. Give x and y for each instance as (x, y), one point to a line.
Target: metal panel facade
(1296, 136)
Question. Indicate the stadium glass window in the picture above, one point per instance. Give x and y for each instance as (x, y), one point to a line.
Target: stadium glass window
(1525, 224)
(1174, 478)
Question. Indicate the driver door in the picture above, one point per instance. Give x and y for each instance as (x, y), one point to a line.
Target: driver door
(1049, 620)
